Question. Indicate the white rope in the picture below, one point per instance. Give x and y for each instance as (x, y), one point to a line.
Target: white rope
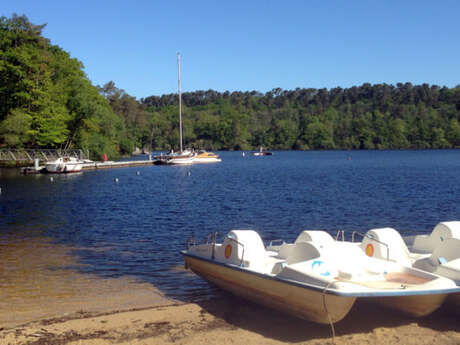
(327, 312)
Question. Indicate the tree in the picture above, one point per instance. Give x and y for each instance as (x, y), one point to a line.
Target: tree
(15, 129)
(397, 134)
(319, 136)
(453, 133)
(46, 99)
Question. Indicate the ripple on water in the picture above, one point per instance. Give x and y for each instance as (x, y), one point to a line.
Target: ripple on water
(102, 232)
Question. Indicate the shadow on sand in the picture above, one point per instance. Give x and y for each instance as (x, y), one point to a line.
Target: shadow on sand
(364, 317)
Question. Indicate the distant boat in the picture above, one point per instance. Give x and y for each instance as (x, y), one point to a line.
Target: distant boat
(206, 157)
(64, 165)
(261, 152)
(176, 158)
(182, 156)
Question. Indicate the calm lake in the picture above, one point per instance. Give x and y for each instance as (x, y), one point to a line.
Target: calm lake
(136, 228)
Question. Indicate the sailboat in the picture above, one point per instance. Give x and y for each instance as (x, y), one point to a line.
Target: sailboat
(182, 156)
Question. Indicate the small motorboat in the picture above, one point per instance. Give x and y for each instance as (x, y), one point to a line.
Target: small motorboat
(262, 152)
(315, 278)
(66, 164)
(206, 157)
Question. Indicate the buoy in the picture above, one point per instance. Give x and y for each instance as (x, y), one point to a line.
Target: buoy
(189, 173)
(138, 172)
(116, 179)
(51, 179)
(244, 154)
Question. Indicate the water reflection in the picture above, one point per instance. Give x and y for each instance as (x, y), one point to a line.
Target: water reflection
(41, 279)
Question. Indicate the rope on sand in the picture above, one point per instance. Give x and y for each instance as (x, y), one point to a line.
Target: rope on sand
(327, 312)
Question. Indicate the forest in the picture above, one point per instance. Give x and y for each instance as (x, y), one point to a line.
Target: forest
(47, 101)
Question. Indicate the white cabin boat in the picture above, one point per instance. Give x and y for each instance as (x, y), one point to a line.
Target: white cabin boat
(64, 165)
(316, 278)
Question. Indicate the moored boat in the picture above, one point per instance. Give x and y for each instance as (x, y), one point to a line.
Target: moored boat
(176, 158)
(65, 164)
(317, 280)
(206, 157)
(262, 152)
(182, 156)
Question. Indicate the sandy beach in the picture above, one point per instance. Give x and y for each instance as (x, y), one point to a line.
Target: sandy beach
(230, 320)
(45, 300)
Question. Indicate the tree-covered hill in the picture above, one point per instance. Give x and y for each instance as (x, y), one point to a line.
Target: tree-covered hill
(46, 100)
(366, 117)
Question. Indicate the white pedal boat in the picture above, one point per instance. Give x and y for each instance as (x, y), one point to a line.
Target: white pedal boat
(438, 252)
(315, 278)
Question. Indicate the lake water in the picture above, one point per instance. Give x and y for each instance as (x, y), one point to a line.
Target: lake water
(136, 228)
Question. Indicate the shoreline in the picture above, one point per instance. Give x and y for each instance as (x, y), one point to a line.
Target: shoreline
(230, 320)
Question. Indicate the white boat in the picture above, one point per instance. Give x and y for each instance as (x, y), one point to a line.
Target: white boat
(262, 152)
(316, 278)
(182, 156)
(206, 157)
(438, 252)
(65, 164)
(178, 158)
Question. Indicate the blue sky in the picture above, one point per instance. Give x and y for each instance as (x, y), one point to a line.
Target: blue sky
(253, 45)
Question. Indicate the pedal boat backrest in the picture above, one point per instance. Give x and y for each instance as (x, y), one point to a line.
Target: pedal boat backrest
(387, 244)
(447, 251)
(320, 236)
(242, 248)
(306, 236)
(441, 232)
(302, 251)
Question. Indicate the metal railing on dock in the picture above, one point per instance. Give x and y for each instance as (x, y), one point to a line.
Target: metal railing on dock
(44, 155)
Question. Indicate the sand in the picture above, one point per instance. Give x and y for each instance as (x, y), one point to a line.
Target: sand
(44, 300)
(230, 320)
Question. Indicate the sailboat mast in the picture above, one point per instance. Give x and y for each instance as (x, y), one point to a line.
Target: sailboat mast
(180, 100)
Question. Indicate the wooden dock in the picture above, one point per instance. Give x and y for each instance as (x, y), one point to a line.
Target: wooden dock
(94, 166)
(111, 164)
